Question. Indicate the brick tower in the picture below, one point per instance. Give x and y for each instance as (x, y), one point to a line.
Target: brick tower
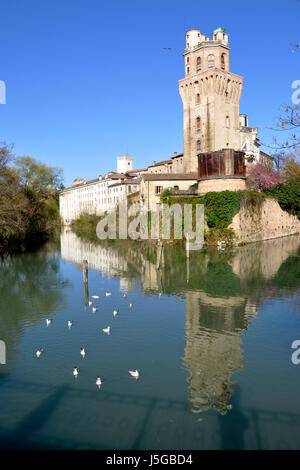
(210, 94)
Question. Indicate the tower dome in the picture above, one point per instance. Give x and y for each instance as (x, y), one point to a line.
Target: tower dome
(220, 34)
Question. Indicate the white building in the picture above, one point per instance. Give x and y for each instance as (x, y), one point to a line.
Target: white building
(97, 195)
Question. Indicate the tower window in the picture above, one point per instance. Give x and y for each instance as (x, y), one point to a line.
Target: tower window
(227, 121)
(198, 98)
(187, 60)
(198, 64)
(211, 61)
(187, 70)
(223, 61)
(198, 144)
(198, 123)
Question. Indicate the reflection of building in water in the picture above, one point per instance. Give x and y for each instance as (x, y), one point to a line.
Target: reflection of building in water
(214, 323)
(101, 258)
(213, 348)
(127, 284)
(220, 305)
(111, 261)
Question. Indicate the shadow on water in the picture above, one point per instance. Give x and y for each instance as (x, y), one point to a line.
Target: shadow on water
(233, 426)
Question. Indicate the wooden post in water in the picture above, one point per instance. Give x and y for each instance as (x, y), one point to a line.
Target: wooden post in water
(187, 245)
(85, 271)
(160, 249)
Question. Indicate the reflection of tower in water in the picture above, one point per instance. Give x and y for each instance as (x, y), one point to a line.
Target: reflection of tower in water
(213, 348)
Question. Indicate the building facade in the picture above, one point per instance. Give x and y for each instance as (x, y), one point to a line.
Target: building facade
(210, 94)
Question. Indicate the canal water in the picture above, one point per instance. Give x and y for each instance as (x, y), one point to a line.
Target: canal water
(211, 338)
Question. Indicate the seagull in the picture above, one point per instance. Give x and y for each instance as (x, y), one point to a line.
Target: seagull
(48, 321)
(98, 382)
(115, 312)
(82, 352)
(130, 305)
(134, 373)
(95, 296)
(94, 309)
(70, 323)
(39, 353)
(90, 303)
(75, 372)
(124, 296)
(107, 294)
(106, 330)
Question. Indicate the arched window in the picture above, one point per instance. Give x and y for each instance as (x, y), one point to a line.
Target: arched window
(198, 98)
(199, 144)
(223, 61)
(198, 123)
(188, 70)
(227, 121)
(198, 64)
(211, 61)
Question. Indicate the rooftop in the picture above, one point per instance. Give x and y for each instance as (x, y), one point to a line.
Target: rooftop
(169, 176)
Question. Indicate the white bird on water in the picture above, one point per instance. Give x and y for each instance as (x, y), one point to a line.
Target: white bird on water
(95, 296)
(124, 296)
(130, 305)
(48, 321)
(106, 330)
(75, 372)
(134, 373)
(82, 352)
(39, 353)
(115, 312)
(98, 382)
(90, 303)
(107, 294)
(94, 309)
(70, 323)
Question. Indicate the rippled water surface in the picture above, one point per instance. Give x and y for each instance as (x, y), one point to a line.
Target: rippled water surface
(211, 337)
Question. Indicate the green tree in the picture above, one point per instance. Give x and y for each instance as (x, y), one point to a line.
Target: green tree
(37, 176)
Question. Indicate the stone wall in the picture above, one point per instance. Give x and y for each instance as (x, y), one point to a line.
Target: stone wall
(268, 221)
(221, 184)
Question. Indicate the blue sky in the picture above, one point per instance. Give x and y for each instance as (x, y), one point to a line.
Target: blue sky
(89, 80)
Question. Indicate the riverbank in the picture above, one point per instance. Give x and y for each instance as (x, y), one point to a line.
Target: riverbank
(232, 217)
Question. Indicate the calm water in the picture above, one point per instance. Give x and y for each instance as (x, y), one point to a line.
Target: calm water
(212, 340)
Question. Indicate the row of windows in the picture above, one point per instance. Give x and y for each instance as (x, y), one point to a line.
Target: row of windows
(159, 189)
(198, 122)
(210, 62)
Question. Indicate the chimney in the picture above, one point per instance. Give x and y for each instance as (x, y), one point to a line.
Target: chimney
(154, 162)
(175, 154)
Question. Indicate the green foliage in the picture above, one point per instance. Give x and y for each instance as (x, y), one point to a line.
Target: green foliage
(37, 176)
(288, 196)
(29, 212)
(221, 207)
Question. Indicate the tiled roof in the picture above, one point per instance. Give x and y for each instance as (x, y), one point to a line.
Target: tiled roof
(170, 176)
(130, 181)
(164, 162)
(177, 156)
(136, 171)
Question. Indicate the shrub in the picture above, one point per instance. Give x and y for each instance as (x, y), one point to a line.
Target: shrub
(220, 208)
(262, 178)
(288, 196)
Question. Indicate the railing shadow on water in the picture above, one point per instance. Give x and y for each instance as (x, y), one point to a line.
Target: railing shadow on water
(242, 428)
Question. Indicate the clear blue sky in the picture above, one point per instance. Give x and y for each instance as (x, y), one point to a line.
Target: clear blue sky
(89, 80)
